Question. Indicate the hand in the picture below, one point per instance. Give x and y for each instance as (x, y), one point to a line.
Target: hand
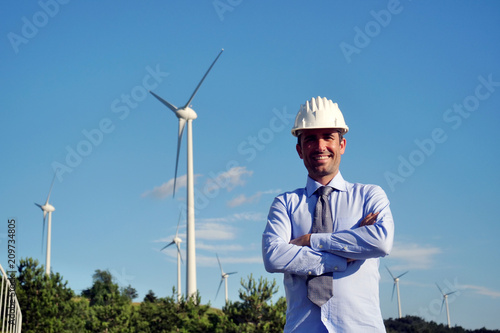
(304, 240)
(369, 219)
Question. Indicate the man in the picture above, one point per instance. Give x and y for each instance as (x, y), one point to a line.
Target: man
(344, 260)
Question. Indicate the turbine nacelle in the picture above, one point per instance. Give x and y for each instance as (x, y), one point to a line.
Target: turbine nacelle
(223, 278)
(186, 113)
(396, 287)
(47, 208)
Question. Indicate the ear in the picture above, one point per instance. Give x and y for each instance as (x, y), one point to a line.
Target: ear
(299, 150)
(342, 146)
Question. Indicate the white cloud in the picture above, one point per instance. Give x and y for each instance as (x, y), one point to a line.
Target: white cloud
(243, 199)
(211, 261)
(215, 231)
(413, 256)
(167, 189)
(240, 200)
(246, 216)
(482, 290)
(239, 260)
(229, 179)
(220, 248)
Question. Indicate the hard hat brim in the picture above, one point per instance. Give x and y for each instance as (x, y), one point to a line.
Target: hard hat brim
(296, 131)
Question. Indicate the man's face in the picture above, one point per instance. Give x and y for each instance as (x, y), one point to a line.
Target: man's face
(321, 150)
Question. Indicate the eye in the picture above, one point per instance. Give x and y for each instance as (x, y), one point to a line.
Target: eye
(330, 137)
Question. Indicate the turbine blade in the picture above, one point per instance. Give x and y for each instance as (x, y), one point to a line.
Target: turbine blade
(178, 223)
(179, 251)
(199, 84)
(442, 303)
(440, 289)
(402, 274)
(182, 124)
(393, 288)
(170, 106)
(231, 273)
(218, 289)
(451, 293)
(222, 272)
(52, 184)
(390, 272)
(43, 210)
(172, 242)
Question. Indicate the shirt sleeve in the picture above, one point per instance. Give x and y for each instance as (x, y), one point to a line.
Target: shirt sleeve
(366, 242)
(280, 256)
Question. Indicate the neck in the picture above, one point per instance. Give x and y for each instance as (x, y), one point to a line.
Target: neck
(323, 180)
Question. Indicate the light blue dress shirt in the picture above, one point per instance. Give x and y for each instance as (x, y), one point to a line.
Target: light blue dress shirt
(355, 305)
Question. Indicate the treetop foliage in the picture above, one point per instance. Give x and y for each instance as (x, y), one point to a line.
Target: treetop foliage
(49, 305)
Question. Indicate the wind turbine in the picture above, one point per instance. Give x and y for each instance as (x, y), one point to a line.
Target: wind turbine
(223, 278)
(396, 286)
(47, 209)
(177, 241)
(445, 300)
(187, 115)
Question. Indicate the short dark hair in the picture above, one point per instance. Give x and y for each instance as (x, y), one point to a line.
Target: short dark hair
(341, 136)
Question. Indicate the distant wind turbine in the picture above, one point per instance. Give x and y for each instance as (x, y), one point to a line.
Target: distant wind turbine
(224, 277)
(187, 115)
(445, 300)
(47, 209)
(177, 241)
(396, 286)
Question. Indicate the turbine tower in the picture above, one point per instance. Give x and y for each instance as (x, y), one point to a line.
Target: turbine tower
(187, 115)
(47, 209)
(445, 300)
(396, 286)
(177, 241)
(224, 277)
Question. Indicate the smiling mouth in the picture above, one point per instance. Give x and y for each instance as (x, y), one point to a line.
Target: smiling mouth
(321, 157)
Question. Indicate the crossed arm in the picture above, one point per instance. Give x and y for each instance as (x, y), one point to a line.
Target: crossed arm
(319, 253)
(305, 240)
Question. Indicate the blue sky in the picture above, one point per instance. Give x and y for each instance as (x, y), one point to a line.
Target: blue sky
(418, 83)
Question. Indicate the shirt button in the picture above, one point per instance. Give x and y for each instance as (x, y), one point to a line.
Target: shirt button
(335, 268)
(321, 246)
(345, 247)
(309, 272)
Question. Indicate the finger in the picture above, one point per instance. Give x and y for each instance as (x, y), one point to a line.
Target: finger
(372, 218)
(369, 219)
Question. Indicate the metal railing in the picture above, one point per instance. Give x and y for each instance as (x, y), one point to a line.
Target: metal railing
(11, 318)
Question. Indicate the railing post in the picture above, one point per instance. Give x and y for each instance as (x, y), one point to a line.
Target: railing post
(10, 311)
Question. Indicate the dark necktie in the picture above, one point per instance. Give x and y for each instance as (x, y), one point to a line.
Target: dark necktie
(320, 288)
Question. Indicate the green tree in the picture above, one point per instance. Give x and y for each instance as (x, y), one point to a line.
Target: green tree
(150, 297)
(110, 309)
(158, 315)
(130, 292)
(256, 312)
(414, 324)
(47, 303)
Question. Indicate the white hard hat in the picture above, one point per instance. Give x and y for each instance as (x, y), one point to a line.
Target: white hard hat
(319, 113)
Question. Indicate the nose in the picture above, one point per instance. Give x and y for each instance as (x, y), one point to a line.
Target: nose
(321, 144)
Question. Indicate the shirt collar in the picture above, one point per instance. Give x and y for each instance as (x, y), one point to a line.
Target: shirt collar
(337, 183)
